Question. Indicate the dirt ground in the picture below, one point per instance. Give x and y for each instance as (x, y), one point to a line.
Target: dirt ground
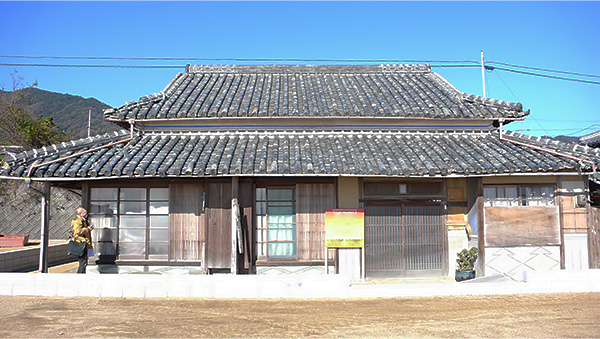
(539, 315)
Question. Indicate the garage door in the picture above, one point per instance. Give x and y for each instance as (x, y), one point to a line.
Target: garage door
(404, 240)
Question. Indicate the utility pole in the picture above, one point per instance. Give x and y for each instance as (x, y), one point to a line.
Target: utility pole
(483, 73)
(89, 121)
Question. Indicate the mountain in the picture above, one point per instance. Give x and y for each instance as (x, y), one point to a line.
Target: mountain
(70, 111)
(565, 138)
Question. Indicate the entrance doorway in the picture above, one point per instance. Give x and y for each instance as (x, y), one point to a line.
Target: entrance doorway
(404, 240)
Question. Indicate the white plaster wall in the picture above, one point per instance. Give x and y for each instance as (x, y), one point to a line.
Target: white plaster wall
(516, 262)
(293, 270)
(349, 263)
(576, 252)
(457, 241)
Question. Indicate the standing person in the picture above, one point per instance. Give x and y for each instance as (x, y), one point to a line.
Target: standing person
(82, 232)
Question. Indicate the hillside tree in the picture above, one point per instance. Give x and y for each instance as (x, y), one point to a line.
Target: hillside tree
(20, 126)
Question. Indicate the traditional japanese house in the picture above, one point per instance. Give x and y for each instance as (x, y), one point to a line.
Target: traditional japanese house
(431, 166)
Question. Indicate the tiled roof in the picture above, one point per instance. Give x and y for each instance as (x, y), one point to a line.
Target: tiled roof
(592, 139)
(298, 153)
(404, 91)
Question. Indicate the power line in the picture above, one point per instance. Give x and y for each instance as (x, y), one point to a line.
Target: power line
(543, 75)
(544, 69)
(149, 66)
(236, 59)
(583, 129)
(432, 63)
(510, 90)
(91, 66)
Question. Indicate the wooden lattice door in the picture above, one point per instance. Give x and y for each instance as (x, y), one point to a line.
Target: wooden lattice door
(404, 240)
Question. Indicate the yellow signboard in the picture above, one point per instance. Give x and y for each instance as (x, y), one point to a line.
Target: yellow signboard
(345, 228)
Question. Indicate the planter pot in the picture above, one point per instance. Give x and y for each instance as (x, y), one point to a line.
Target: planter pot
(464, 275)
(14, 240)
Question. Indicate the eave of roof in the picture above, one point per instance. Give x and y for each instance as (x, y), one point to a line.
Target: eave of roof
(302, 153)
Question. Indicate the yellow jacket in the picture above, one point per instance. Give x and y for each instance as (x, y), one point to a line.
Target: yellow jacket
(81, 232)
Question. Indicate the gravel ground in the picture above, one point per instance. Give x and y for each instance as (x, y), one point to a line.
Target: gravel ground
(533, 315)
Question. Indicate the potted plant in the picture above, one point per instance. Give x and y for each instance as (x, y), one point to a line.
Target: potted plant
(466, 264)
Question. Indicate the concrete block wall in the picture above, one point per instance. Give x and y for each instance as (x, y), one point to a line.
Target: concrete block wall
(28, 259)
(178, 286)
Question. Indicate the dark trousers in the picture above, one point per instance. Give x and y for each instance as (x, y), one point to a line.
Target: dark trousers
(83, 261)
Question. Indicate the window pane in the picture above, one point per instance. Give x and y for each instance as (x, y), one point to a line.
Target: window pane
(159, 235)
(103, 194)
(260, 222)
(105, 234)
(132, 234)
(133, 194)
(278, 219)
(159, 221)
(537, 192)
(133, 207)
(132, 248)
(100, 221)
(133, 221)
(280, 194)
(511, 193)
(489, 192)
(281, 203)
(261, 194)
(261, 249)
(547, 192)
(158, 248)
(104, 207)
(500, 192)
(281, 210)
(282, 249)
(159, 207)
(159, 194)
(261, 208)
(281, 234)
(526, 192)
(260, 235)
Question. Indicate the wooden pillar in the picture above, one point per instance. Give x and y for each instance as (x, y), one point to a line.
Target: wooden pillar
(45, 221)
(480, 227)
(235, 208)
(561, 219)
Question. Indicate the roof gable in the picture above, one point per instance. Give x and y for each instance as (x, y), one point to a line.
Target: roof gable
(391, 91)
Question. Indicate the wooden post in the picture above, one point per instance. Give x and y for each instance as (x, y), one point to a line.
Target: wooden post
(480, 227)
(234, 215)
(45, 218)
(561, 219)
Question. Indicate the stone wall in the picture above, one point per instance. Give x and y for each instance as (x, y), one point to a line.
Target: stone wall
(20, 210)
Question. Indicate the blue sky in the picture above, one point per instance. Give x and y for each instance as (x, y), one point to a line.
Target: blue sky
(554, 35)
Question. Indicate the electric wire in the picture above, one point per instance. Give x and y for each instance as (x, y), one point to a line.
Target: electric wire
(432, 64)
(543, 69)
(505, 85)
(583, 129)
(91, 66)
(438, 63)
(547, 76)
(237, 59)
(151, 66)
